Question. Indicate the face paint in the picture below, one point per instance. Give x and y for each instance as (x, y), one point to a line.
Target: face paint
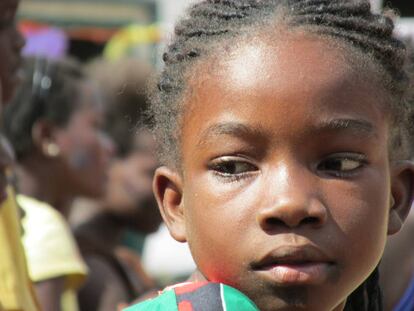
(80, 159)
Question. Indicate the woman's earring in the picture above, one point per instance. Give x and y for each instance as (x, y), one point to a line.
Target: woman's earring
(51, 149)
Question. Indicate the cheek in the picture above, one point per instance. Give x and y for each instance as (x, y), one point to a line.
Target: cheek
(219, 226)
(360, 218)
(77, 150)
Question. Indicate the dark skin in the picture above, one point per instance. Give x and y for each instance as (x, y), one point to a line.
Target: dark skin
(286, 184)
(55, 179)
(11, 43)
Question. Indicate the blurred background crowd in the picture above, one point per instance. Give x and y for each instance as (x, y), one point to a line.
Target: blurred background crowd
(92, 233)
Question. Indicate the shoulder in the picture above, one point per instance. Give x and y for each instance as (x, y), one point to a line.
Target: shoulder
(207, 296)
(50, 247)
(36, 211)
(163, 302)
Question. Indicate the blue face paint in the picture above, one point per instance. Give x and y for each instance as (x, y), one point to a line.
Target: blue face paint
(80, 159)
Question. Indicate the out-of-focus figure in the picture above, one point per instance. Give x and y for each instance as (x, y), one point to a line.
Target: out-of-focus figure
(15, 287)
(116, 275)
(53, 123)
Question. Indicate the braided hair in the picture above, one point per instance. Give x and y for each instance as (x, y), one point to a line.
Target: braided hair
(364, 36)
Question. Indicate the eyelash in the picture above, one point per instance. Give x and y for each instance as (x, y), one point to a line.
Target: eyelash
(218, 169)
(359, 159)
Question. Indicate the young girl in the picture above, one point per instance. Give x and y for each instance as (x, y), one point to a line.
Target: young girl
(283, 127)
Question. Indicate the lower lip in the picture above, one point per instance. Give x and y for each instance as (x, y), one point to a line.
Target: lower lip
(298, 274)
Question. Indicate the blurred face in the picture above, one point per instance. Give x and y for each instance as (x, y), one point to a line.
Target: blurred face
(11, 43)
(286, 176)
(84, 150)
(129, 193)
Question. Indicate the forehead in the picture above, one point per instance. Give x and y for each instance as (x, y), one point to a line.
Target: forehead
(286, 64)
(261, 81)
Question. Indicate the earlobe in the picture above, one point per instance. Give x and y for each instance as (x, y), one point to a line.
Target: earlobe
(43, 138)
(402, 184)
(167, 187)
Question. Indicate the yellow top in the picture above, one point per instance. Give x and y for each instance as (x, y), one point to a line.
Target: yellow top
(51, 249)
(16, 292)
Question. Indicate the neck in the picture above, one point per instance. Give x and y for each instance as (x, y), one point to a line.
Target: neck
(38, 180)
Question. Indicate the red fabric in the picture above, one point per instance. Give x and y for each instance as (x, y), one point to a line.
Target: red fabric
(185, 306)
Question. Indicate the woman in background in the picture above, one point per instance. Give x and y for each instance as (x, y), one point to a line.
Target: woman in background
(116, 274)
(53, 124)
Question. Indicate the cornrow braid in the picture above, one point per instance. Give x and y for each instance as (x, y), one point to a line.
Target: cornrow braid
(209, 24)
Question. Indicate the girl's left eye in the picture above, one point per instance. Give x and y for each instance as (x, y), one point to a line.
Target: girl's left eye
(341, 165)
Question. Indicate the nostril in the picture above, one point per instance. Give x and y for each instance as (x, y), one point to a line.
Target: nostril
(274, 222)
(310, 221)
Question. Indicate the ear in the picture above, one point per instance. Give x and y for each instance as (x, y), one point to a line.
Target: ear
(168, 191)
(402, 184)
(43, 137)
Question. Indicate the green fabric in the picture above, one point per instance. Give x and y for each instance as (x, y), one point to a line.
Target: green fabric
(133, 240)
(236, 301)
(165, 301)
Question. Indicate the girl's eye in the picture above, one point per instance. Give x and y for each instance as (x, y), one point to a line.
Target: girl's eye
(342, 165)
(232, 167)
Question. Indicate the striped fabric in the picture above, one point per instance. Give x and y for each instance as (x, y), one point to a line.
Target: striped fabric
(200, 296)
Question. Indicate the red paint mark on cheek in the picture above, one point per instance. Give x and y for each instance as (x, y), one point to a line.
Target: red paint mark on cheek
(185, 306)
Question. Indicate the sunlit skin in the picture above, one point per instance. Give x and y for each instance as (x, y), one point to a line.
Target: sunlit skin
(286, 179)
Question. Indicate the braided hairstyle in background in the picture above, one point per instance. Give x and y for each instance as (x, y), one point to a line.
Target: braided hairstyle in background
(48, 92)
(365, 37)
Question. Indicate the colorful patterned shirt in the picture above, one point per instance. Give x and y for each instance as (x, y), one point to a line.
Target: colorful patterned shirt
(205, 296)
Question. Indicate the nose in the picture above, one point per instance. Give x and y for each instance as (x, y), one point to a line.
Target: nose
(293, 202)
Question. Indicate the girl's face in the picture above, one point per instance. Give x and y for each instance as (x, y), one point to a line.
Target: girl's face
(85, 152)
(285, 191)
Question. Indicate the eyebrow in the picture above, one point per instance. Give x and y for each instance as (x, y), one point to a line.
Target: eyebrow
(231, 129)
(358, 126)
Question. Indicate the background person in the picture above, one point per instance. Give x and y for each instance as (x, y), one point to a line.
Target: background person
(16, 292)
(54, 124)
(116, 275)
